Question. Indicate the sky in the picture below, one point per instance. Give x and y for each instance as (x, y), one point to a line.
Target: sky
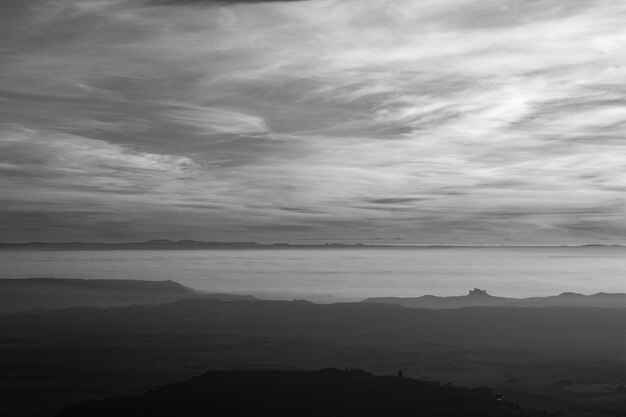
(395, 121)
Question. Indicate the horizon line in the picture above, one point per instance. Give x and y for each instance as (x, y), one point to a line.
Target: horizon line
(325, 244)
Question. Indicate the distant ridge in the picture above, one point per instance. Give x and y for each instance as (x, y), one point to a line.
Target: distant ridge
(53, 293)
(480, 298)
(164, 244)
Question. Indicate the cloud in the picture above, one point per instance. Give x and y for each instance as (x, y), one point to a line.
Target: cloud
(211, 120)
(435, 121)
(65, 166)
(399, 200)
(212, 2)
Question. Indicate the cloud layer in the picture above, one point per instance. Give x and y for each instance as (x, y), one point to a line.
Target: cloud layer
(454, 121)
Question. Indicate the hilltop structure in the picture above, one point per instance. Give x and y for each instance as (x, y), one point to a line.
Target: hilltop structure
(477, 292)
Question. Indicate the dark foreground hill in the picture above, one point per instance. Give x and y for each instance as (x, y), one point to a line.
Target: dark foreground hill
(52, 293)
(480, 298)
(297, 393)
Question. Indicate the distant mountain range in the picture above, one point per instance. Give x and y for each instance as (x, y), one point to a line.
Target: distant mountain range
(300, 393)
(164, 244)
(54, 293)
(480, 298)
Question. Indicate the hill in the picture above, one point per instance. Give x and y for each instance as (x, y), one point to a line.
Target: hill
(557, 358)
(280, 393)
(54, 293)
(480, 298)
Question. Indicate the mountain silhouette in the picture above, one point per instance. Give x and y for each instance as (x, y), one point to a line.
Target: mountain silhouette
(480, 298)
(323, 393)
(54, 293)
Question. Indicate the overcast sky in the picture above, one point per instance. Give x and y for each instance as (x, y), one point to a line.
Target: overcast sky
(431, 121)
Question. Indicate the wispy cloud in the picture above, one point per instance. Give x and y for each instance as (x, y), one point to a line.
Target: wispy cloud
(437, 121)
(212, 120)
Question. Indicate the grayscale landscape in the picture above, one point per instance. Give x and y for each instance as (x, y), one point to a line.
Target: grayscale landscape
(313, 208)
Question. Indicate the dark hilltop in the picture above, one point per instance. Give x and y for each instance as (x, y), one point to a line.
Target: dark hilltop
(324, 393)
